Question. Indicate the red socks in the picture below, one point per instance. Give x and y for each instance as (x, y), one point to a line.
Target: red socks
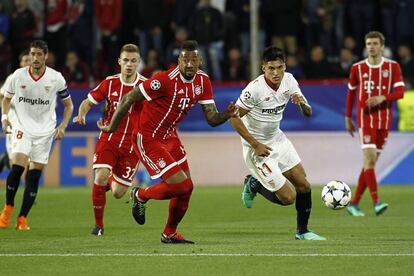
(177, 209)
(98, 201)
(366, 179)
(179, 195)
(360, 188)
(163, 190)
(371, 182)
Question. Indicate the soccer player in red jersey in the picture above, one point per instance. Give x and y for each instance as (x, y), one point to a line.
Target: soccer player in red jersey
(376, 82)
(169, 96)
(114, 160)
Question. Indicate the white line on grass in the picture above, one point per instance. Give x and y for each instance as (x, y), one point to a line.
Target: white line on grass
(210, 255)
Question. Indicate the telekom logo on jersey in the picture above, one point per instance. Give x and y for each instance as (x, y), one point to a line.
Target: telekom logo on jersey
(184, 103)
(37, 101)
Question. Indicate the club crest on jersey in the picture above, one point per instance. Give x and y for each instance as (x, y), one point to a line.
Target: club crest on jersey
(161, 163)
(23, 86)
(385, 73)
(47, 88)
(197, 90)
(155, 85)
(367, 139)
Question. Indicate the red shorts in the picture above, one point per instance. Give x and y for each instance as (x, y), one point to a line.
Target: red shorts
(121, 161)
(373, 138)
(162, 158)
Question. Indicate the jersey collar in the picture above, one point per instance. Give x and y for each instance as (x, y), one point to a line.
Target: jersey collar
(130, 84)
(377, 65)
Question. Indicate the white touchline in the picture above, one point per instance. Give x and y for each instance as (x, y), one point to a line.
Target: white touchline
(208, 255)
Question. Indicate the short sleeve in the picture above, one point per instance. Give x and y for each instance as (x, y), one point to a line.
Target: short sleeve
(155, 87)
(353, 79)
(397, 78)
(206, 96)
(247, 98)
(5, 85)
(61, 87)
(98, 93)
(8, 86)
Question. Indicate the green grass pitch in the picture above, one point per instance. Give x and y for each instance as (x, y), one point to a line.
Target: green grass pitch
(230, 240)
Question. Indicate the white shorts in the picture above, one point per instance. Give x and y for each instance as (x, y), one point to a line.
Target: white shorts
(269, 170)
(9, 144)
(36, 148)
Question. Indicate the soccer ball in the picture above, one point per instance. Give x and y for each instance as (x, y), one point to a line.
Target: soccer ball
(336, 194)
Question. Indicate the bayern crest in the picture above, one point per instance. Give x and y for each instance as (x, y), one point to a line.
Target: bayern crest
(385, 73)
(155, 85)
(197, 90)
(161, 163)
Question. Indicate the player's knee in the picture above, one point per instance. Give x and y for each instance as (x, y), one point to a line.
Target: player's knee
(101, 179)
(304, 188)
(188, 187)
(288, 199)
(118, 194)
(17, 170)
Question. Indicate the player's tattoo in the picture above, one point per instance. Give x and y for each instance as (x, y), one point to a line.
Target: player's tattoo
(306, 109)
(213, 117)
(123, 107)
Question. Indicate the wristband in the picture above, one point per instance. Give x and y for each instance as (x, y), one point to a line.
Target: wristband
(4, 117)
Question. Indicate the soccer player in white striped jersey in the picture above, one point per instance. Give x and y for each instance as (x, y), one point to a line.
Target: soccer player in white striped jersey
(24, 61)
(34, 90)
(269, 155)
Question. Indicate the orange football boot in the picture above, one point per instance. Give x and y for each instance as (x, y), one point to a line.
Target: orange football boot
(21, 223)
(5, 216)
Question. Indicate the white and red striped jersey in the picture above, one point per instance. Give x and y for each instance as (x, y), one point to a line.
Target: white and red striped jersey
(35, 100)
(368, 80)
(170, 96)
(112, 89)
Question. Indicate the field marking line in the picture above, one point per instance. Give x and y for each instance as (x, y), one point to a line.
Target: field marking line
(208, 255)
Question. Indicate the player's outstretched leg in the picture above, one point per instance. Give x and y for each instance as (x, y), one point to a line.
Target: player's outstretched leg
(380, 208)
(303, 207)
(138, 207)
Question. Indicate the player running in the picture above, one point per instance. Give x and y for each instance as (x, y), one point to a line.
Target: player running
(169, 96)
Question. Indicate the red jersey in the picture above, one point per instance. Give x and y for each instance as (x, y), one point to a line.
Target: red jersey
(366, 81)
(170, 97)
(112, 89)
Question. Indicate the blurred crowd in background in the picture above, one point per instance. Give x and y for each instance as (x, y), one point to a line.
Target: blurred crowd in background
(322, 38)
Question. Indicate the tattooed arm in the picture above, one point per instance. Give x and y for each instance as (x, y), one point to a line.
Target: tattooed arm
(305, 108)
(215, 118)
(122, 108)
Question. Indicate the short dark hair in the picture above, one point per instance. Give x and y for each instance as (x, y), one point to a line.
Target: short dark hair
(189, 45)
(376, 34)
(273, 53)
(40, 44)
(23, 53)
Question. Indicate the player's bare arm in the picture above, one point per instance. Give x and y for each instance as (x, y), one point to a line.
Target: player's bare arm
(122, 108)
(349, 125)
(374, 101)
(5, 107)
(238, 125)
(67, 114)
(305, 108)
(215, 118)
(84, 108)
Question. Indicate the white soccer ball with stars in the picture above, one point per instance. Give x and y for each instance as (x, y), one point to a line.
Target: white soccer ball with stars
(336, 194)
